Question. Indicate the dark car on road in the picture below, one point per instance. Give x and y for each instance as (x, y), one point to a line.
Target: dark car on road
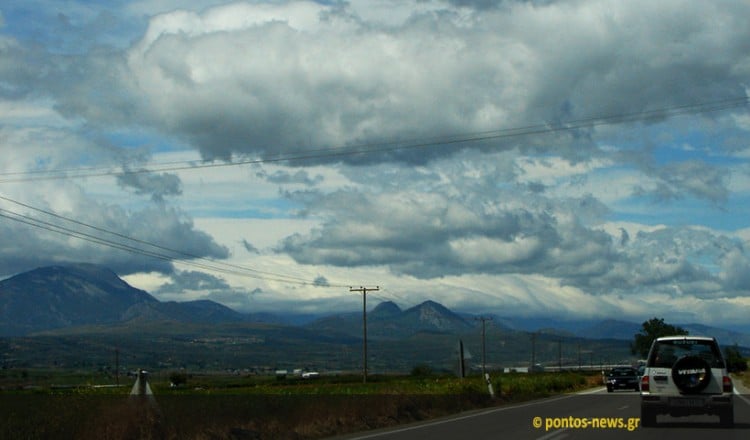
(622, 378)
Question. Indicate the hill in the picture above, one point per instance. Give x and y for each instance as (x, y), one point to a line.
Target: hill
(74, 295)
(388, 321)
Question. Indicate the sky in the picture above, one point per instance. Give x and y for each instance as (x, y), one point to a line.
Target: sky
(572, 159)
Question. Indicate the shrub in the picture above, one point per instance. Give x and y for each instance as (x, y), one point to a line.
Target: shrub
(178, 378)
(421, 370)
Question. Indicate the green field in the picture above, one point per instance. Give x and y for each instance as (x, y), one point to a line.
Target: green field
(39, 404)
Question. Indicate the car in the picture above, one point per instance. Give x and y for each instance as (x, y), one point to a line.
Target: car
(536, 368)
(686, 375)
(620, 378)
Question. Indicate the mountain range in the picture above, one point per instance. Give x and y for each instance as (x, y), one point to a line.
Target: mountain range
(71, 295)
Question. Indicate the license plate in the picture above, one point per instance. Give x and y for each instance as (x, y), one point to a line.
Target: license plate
(686, 403)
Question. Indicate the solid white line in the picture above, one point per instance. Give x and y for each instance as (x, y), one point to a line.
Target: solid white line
(594, 391)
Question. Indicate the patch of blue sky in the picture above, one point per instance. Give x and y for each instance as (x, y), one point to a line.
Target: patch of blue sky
(707, 262)
(263, 213)
(733, 216)
(70, 27)
(230, 207)
(698, 146)
(153, 141)
(686, 132)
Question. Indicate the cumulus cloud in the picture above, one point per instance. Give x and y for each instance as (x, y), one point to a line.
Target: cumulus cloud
(266, 79)
(463, 225)
(452, 220)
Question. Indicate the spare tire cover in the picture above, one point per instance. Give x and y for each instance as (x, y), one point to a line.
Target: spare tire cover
(691, 374)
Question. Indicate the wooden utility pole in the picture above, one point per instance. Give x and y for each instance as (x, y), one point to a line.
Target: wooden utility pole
(484, 351)
(364, 291)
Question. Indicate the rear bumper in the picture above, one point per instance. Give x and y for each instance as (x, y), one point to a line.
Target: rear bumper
(682, 405)
(620, 385)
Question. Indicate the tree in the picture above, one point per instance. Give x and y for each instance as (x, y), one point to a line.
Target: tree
(734, 359)
(650, 330)
(178, 378)
(421, 370)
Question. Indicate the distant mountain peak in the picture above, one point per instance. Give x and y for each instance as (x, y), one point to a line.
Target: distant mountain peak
(436, 315)
(56, 276)
(385, 309)
(69, 295)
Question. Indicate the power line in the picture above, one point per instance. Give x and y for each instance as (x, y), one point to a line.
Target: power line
(158, 251)
(385, 147)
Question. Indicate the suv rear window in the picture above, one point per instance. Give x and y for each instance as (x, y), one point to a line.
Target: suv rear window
(665, 353)
(622, 372)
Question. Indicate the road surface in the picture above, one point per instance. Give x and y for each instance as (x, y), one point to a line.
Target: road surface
(594, 414)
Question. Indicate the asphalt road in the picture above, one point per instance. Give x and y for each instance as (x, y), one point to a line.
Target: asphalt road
(588, 415)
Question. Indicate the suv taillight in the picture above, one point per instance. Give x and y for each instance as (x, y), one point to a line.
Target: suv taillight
(644, 383)
(727, 384)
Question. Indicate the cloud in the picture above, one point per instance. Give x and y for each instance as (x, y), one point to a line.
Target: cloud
(185, 285)
(689, 178)
(302, 76)
(28, 247)
(65, 206)
(463, 225)
(249, 247)
(321, 281)
(469, 220)
(735, 265)
(191, 280)
(157, 185)
(286, 177)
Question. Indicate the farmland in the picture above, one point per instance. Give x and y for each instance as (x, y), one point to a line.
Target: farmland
(36, 404)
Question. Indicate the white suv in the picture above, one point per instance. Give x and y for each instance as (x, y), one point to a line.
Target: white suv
(686, 375)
